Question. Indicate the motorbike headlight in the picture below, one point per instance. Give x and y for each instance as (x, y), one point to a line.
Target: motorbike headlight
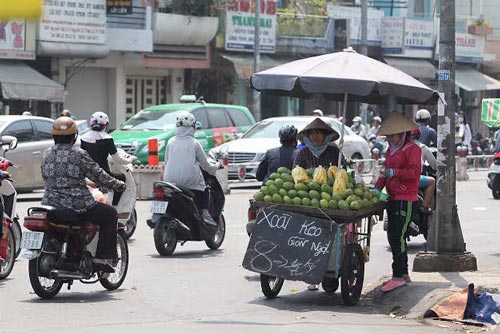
(144, 149)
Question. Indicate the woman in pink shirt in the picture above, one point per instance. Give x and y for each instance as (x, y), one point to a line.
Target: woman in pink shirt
(400, 176)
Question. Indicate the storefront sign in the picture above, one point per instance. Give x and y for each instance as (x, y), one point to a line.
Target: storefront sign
(468, 48)
(419, 34)
(240, 24)
(17, 41)
(119, 7)
(73, 21)
(353, 14)
(392, 35)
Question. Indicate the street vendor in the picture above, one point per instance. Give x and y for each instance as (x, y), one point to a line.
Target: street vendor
(400, 176)
(318, 138)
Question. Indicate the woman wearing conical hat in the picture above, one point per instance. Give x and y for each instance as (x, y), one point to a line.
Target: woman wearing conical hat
(317, 150)
(400, 177)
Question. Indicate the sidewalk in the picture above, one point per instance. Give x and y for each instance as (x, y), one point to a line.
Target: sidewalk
(426, 290)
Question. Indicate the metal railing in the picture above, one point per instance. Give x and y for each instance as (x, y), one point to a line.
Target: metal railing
(302, 26)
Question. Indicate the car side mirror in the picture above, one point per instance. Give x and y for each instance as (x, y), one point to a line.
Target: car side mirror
(8, 142)
(198, 125)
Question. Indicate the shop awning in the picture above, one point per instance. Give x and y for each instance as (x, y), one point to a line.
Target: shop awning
(417, 68)
(243, 63)
(19, 81)
(475, 81)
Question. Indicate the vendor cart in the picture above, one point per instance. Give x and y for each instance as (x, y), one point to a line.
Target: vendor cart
(343, 261)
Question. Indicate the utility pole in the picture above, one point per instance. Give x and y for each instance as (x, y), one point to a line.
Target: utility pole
(446, 242)
(364, 27)
(256, 60)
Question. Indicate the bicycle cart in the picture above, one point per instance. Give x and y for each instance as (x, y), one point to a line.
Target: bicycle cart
(287, 244)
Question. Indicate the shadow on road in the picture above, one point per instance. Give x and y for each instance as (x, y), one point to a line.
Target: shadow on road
(77, 297)
(191, 254)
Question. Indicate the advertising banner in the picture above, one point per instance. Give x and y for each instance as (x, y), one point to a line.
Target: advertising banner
(17, 39)
(72, 21)
(240, 25)
(392, 32)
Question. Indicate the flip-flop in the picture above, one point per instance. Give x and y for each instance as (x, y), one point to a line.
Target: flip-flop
(392, 284)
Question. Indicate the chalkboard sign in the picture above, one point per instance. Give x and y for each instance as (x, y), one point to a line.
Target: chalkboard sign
(290, 246)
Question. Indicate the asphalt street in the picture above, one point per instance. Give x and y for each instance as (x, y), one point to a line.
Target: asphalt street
(208, 291)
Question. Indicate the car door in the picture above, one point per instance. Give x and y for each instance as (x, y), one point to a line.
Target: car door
(23, 155)
(223, 129)
(204, 134)
(43, 141)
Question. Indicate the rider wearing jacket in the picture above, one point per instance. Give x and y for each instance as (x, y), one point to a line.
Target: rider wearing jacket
(184, 156)
(64, 170)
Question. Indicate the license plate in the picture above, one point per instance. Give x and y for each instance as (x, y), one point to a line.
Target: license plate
(495, 168)
(233, 168)
(32, 240)
(159, 207)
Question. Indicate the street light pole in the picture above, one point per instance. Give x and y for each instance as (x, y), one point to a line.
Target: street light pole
(446, 242)
(256, 60)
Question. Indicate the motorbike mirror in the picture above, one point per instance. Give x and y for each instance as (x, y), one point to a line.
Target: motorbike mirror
(8, 142)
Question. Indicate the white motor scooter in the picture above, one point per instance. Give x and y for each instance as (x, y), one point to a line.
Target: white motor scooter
(127, 215)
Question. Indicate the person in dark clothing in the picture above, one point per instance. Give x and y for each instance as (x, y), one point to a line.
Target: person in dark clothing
(280, 156)
(99, 144)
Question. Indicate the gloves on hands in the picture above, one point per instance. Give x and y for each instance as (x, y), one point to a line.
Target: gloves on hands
(390, 172)
(121, 186)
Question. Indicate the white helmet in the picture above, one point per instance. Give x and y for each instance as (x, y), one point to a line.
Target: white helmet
(356, 119)
(378, 119)
(185, 118)
(317, 112)
(423, 114)
(98, 121)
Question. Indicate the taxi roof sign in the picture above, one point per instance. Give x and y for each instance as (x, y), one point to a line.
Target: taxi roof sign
(20, 9)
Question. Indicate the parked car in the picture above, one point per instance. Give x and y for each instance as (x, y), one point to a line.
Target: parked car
(83, 126)
(216, 124)
(250, 149)
(33, 136)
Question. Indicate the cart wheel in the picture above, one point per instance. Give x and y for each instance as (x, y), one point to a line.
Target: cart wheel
(353, 272)
(330, 285)
(270, 285)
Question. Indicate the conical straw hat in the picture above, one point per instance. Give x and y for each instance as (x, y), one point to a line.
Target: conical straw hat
(396, 123)
(318, 124)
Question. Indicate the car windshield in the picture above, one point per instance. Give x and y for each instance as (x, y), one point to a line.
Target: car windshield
(152, 120)
(270, 129)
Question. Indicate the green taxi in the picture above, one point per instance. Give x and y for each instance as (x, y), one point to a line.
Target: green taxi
(216, 124)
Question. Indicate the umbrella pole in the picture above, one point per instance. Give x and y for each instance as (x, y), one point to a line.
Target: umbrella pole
(342, 132)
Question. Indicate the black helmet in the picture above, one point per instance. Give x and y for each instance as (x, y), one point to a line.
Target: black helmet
(288, 134)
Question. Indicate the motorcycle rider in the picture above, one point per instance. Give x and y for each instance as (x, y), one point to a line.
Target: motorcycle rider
(376, 121)
(357, 127)
(184, 156)
(428, 135)
(279, 156)
(99, 144)
(64, 169)
(427, 183)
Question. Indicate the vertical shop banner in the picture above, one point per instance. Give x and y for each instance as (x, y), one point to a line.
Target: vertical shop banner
(240, 25)
(392, 32)
(119, 7)
(72, 21)
(17, 41)
(353, 14)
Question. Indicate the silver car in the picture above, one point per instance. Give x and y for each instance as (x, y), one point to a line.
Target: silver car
(33, 137)
(250, 149)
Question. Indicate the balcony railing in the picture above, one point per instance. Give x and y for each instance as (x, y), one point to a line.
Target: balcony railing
(302, 26)
(136, 20)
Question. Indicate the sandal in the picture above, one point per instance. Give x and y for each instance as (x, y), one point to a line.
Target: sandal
(392, 284)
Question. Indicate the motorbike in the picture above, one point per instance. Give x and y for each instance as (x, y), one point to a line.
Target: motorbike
(176, 218)
(493, 181)
(61, 247)
(125, 203)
